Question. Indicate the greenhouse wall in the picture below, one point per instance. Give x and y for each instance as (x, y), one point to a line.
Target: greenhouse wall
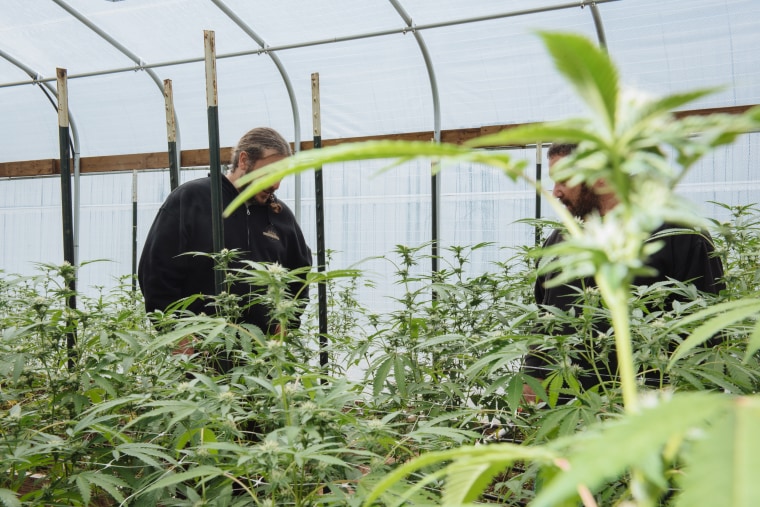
(369, 209)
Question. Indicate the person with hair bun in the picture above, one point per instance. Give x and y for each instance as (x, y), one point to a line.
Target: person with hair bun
(264, 230)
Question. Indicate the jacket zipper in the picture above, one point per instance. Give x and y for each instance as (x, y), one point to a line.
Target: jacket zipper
(248, 227)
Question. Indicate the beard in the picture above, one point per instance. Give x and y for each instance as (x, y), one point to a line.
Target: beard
(587, 202)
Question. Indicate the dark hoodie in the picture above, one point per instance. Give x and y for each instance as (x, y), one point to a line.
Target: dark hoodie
(267, 233)
(684, 257)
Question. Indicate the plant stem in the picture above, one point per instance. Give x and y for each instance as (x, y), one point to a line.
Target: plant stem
(616, 297)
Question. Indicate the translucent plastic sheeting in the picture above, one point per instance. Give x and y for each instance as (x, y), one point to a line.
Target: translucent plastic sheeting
(674, 46)
(494, 71)
(366, 214)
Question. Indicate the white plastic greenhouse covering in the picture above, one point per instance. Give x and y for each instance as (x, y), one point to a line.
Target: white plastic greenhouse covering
(385, 67)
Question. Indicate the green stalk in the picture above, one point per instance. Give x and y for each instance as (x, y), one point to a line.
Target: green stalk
(617, 301)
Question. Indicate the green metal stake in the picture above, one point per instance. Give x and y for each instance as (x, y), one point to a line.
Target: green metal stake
(319, 197)
(171, 135)
(217, 225)
(66, 204)
(539, 150)
(134, 231)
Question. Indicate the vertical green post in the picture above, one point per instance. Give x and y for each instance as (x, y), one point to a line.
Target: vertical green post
(66, 204)
(171, 135)
(539, 150)
(320, 210)
(217, 225)
(134, 231)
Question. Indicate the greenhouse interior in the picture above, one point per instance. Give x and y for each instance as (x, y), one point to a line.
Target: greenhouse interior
(467, 315)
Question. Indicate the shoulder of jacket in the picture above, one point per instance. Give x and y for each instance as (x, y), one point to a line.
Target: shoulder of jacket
(193, 185)
(554, 237)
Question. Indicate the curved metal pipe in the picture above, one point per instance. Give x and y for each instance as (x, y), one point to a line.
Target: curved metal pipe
(435, 184)
(129, 54)
(599, 26)
(126, 52)
(428, 64)
(331, 40)
(288, 85)
(50, 91)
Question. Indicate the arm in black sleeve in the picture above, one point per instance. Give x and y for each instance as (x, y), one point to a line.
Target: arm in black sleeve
(299, 256)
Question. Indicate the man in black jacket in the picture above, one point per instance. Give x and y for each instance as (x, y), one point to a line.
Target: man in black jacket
(264, 230)
(683, 257)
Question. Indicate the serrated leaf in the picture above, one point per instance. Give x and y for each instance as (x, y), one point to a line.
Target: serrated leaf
(671, 102)
(440, 340)
(712, 326)
(204, 472)
(180, 409)
(469, 482)
(172, 337)
(104, 481)
(8, 498)
(83, 485)
(400, 376)
(567, 130)
(423, 433)
(147, 453)
(382, 373)
(368, 150)
(465, 457)
(634, 438)
(515, 392)
(702, 315)
(589, 69)
(753, 344)
(721, 467)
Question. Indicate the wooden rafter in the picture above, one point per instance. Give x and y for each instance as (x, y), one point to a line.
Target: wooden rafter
(200, 158)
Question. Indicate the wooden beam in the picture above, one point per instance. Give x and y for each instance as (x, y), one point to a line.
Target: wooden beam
(46, 167)
(139, 161)
(713, 110)
(200, 158)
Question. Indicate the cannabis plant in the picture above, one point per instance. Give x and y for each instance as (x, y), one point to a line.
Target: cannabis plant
(701, 438)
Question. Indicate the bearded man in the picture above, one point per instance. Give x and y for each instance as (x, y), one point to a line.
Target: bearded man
(687, 258)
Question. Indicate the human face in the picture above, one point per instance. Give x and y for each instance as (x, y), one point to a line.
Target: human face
(580, 200)
(246, 166)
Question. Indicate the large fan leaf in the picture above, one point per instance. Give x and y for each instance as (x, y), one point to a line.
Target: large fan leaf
(633, 439)
(8, 498)
(589, 69)
(465, 461)
(733, 311)
(723, 463)
(368, 150)
(469, 482)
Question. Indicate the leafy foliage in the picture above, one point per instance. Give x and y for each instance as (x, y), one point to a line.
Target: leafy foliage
(182, 409)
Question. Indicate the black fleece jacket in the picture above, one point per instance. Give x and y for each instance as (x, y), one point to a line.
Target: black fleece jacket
(183, 224)
(683, 257)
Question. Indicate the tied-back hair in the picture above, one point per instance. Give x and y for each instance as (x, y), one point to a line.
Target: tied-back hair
(256, 141)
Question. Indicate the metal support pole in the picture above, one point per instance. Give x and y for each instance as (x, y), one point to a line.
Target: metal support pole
(435, 180)
(171, 135)
(330, 40)
(539, 151)
(217, 226)
(134, 231)
(599, 26)
(66, 203)
(319, 198)
(50, 91)
(288, 86)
